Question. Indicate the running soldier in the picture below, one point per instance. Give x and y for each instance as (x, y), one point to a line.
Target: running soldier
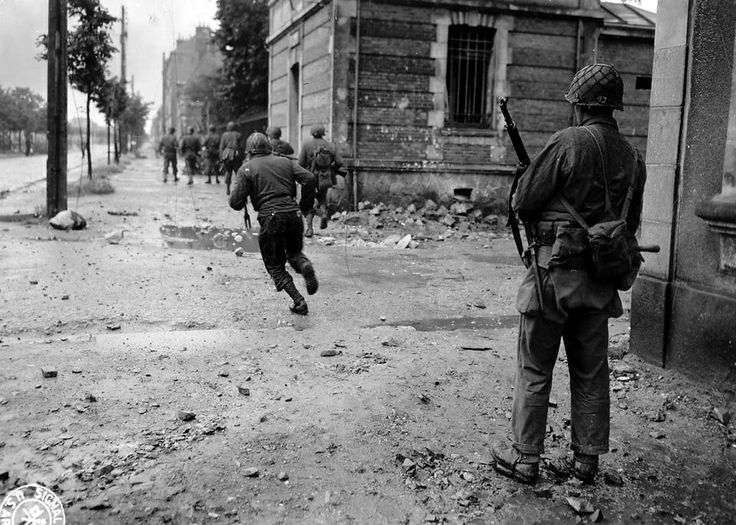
(189, 147)
(231, 153)
(278, 146)
(167, 147)
(211, 148)
(591, 171)
(321, 158)
(270, 182)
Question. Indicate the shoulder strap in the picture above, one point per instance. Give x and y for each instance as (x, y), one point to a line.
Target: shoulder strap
(601, 144)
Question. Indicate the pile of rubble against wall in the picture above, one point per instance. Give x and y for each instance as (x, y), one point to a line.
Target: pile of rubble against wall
(376, 224)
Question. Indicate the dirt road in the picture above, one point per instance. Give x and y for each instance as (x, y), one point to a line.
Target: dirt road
(187, 393)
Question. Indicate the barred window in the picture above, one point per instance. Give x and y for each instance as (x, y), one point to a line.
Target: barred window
(469, 52)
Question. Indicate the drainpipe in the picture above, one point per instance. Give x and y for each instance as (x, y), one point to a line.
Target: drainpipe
(356, 162)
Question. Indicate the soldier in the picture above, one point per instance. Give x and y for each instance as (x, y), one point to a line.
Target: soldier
(321, 158)
(585, 170)
(189, 147)
(167, 147)
(231, 153)
(270, 182)
(278, 146)
(212, 155)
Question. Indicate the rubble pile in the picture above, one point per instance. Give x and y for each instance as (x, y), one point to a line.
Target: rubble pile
(430, 222)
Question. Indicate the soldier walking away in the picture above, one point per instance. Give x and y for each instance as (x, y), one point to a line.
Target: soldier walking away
(212, 155)
(588, 173)
(278, 146)
(167, 147)
(231, 153)
(270, 182)
(321, 158)
(190, 146)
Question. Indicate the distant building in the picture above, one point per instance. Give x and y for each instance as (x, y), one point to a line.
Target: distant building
(192, 58)
(408, 88)
(684, 303)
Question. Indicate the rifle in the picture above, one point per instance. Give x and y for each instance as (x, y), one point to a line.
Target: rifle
(528, 255)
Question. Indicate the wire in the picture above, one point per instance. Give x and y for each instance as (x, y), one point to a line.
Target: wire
(81, 139)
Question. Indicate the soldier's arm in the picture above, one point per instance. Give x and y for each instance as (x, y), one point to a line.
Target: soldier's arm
(241, 188)
(541, 179)
(303, 156)
(302, 175)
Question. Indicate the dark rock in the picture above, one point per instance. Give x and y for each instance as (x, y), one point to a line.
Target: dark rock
(186, 416)
(49, 372)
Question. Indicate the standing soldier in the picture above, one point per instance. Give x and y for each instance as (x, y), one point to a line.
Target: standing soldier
(321, 158)
(167, 148)
(278, 146)
(591, 171)
(212, 155)
(190, 146)
(231, 153)
(270, 182)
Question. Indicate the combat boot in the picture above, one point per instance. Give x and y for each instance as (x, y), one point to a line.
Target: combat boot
(310, 279)
(583, 466)
(300, 304)
(523, 468)
(322, 218)
(209, 180)
(310, 231)
(191, 180)
(227, 190)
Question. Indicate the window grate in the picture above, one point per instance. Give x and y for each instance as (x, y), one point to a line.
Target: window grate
(469, 52)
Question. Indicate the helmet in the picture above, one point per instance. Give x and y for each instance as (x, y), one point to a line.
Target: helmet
(230, 125)
(172, 130)
(257, 143)
(274, 132)
(212, 127)
(191, 130)
(598, 85)
(318, 131)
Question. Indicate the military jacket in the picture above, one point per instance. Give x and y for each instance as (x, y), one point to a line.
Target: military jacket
(168, 145)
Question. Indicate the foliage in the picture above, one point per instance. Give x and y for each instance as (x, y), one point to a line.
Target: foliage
(112, 99)
(242, 41)
(135, 115)
(22, 110)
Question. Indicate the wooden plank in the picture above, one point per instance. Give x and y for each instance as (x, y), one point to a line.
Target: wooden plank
(373, 27)
(391, 11)
(397, 64)
(395, 46)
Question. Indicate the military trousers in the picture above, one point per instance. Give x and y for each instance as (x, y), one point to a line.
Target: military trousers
(281, 240)
(585, 334)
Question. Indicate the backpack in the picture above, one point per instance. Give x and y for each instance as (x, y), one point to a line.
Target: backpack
(613, 249)
(321, 167)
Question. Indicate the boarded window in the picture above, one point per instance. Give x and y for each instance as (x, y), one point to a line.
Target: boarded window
(469, 51)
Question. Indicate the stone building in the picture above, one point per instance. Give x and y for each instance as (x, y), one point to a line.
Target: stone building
(408, 88)
(684, 303)
(192, 58)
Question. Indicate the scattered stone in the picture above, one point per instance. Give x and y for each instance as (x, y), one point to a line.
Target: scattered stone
(722, 415)
(596, 516)
(659, 416)
(430, 205)
(579, 505)
(76, 371)
(475, 346)
(243, 391)
(403, 243)
(239, 251)
(4, 475)
(224, 373)
(115, 237)
(657, 434)
(123, 213)
(327, 241)
(251, 472)
(80, 409)
(383, 318)
(49, 372)
(142, 411)
(68, 220)
(186, 416)
(33, 282)
(552, 402)
(613, 478)
(282, 476)
(330, 352)
(89, 397)
(391, 342)
(391, 240)
(113, 327)
(105, 469)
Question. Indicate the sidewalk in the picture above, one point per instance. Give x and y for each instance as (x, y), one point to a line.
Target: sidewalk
(186, 392)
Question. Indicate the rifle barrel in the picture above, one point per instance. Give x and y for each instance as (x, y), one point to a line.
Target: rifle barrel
(651, 248)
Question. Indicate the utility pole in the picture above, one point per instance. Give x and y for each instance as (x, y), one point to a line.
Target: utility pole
(56, 110)
(123, 42)
(163, 94)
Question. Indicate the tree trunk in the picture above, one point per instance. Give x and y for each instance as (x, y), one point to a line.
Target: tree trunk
(116, 141)
(89, 154)
(107, 121)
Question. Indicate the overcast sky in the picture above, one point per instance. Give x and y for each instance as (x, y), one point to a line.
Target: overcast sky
(153, 27)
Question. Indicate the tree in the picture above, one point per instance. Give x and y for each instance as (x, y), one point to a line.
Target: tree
(112, 102)
(89, 50)
(242, 41)
(135, 116)
(22, 111)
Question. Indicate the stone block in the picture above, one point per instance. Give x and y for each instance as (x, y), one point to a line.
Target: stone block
(664, 135)
(656, 264)
(668, 77)
(672, 20)
(648, 319)
(659, 193)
